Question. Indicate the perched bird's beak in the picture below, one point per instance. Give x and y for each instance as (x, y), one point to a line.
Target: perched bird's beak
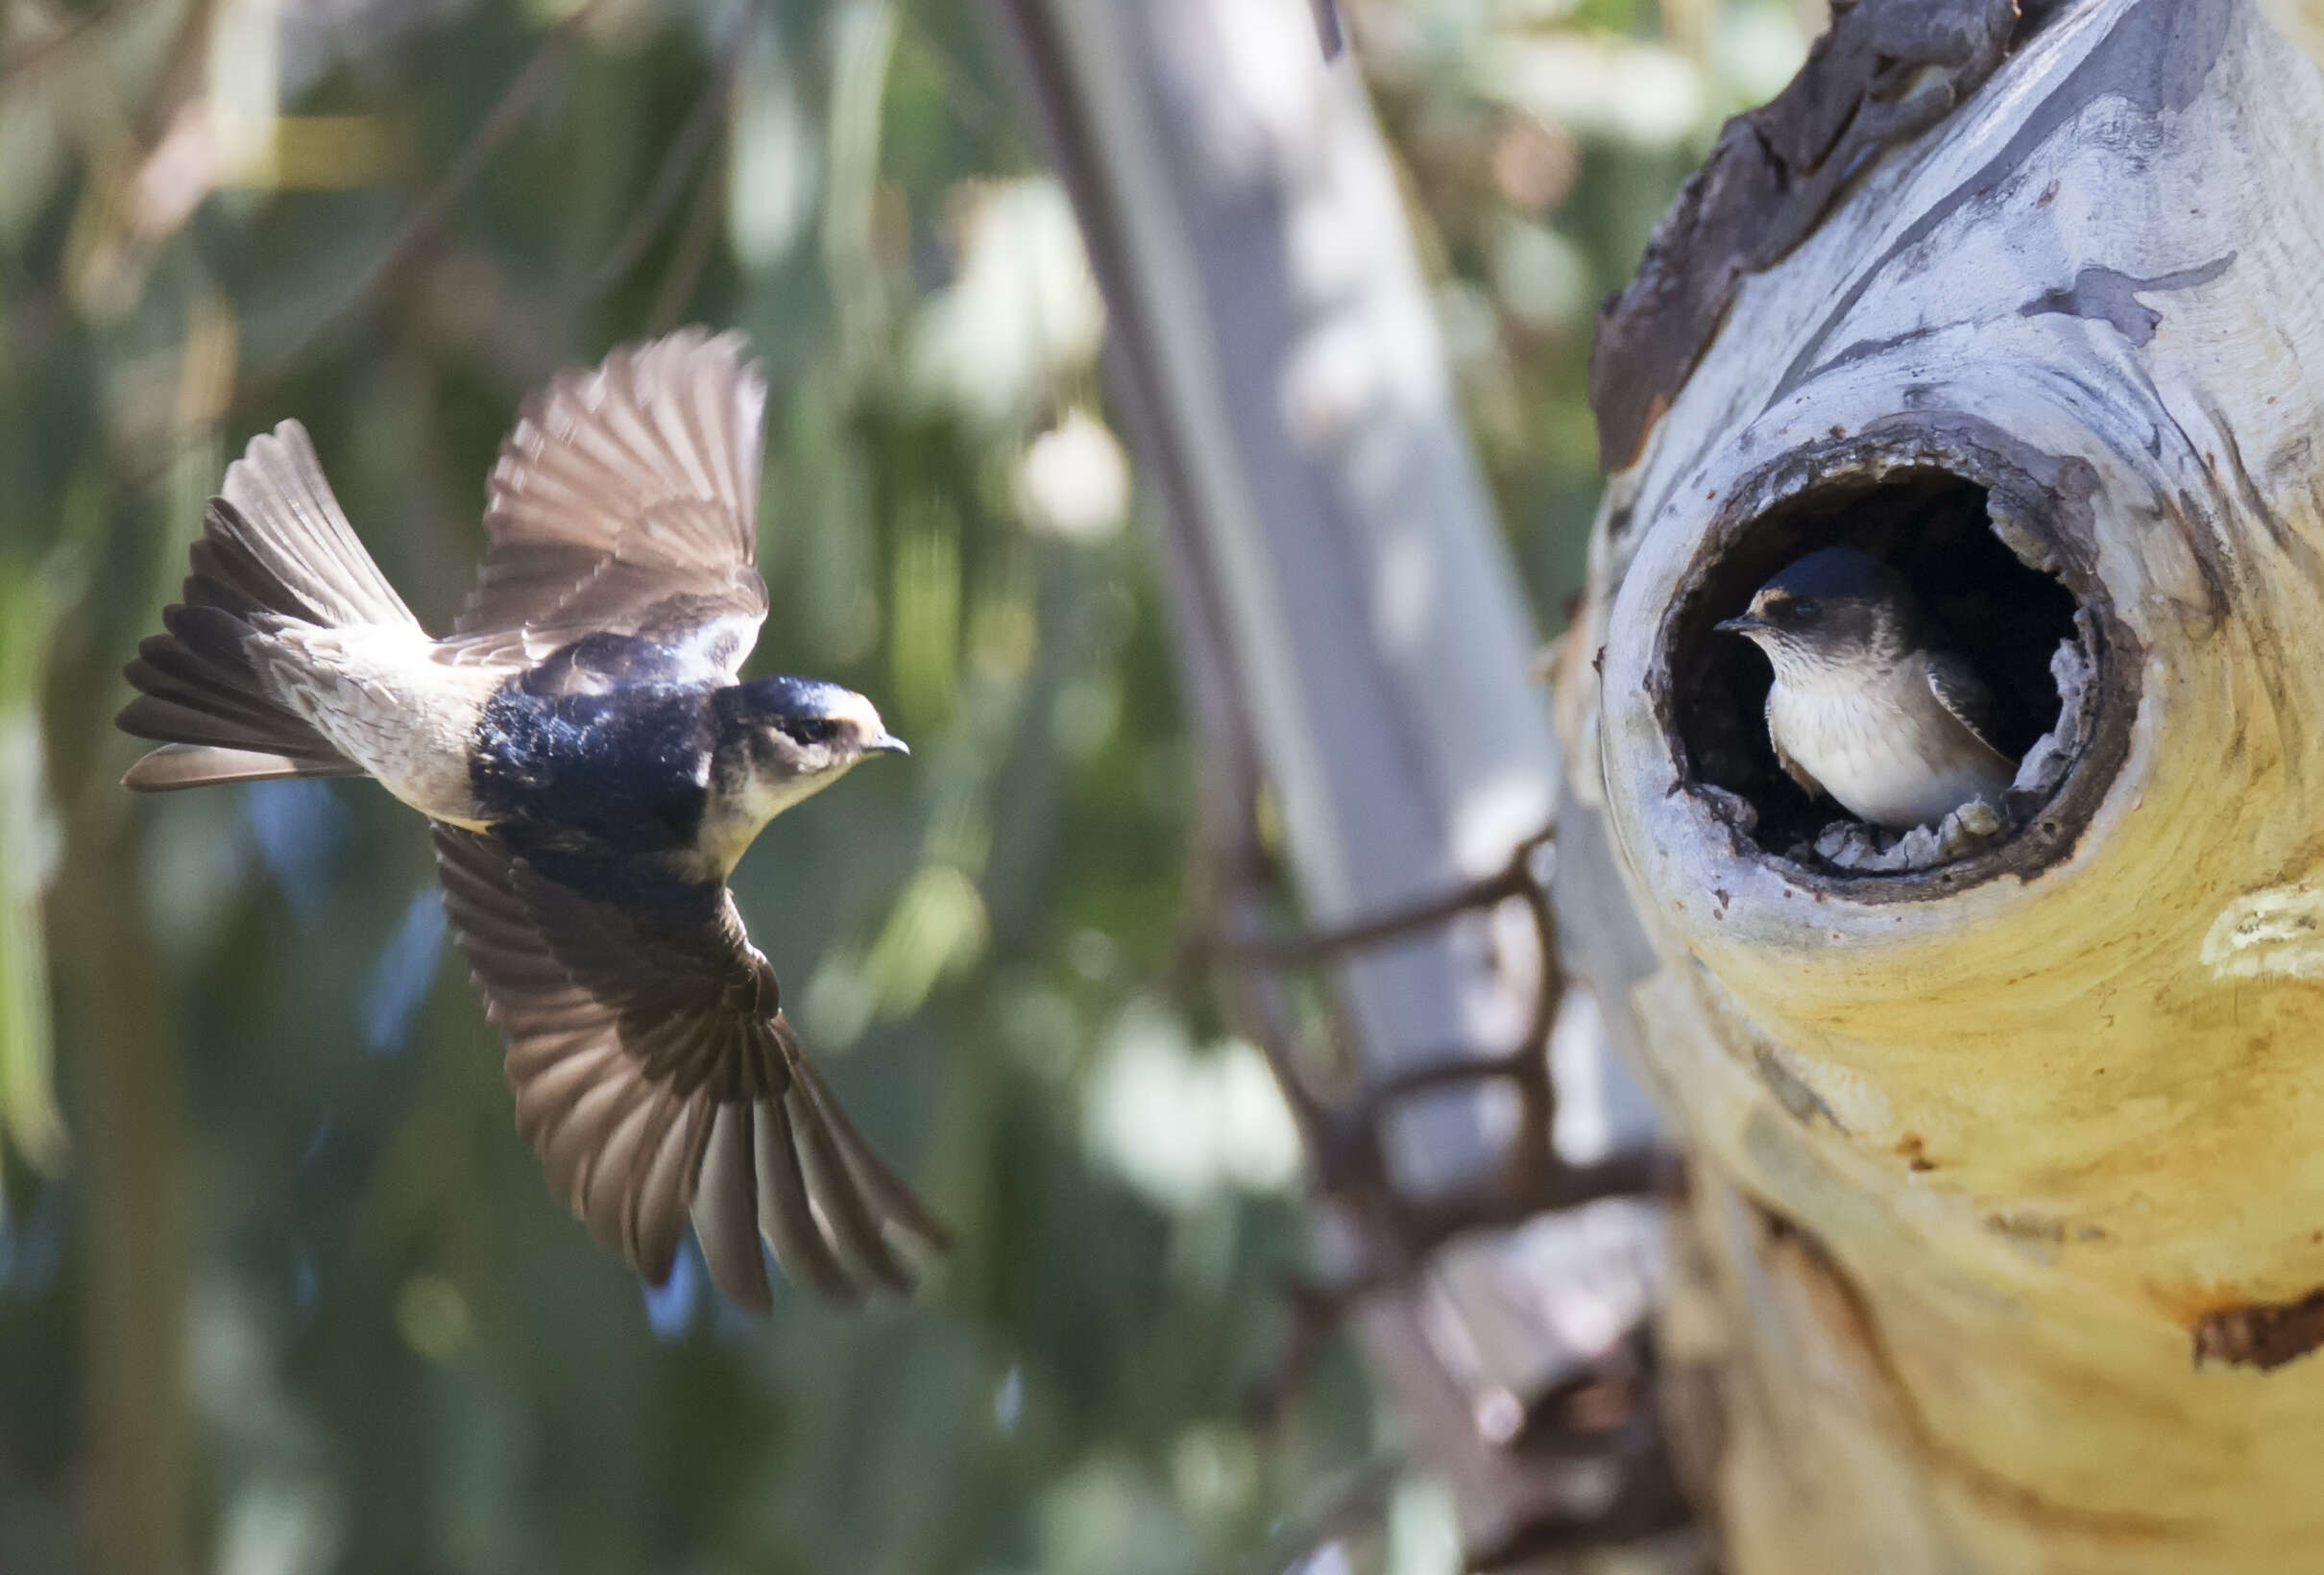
(887, 743)
(1746, 625)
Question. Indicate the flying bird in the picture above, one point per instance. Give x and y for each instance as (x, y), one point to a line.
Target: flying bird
(594, 769)
(1863, 707)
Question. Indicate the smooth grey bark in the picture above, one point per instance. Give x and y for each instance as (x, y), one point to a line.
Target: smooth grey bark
(1371, 625)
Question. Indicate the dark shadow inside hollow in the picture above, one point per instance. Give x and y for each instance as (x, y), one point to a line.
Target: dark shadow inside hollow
(2007, 619)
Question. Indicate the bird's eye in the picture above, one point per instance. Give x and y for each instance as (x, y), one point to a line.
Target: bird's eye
(814, 730)
(1801, 610)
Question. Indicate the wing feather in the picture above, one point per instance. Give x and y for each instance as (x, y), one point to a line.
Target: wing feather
(656, 1076)
(785, 1211)
(625, 501)
(855, 1234)
(657, 1212)
(1961, 692)
(725, 1209)
(890, 1193)
(616, 1169)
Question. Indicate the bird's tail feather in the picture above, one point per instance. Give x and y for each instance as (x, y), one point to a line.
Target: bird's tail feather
(176, 766)
(275, 551)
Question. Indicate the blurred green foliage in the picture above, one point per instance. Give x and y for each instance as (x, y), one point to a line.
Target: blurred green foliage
(292, 1156)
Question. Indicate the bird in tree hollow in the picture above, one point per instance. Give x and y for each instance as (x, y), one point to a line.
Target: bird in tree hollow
(593, 770)
(1862, 708)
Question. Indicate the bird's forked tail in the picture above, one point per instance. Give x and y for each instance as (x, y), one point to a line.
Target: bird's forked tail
(276, 552)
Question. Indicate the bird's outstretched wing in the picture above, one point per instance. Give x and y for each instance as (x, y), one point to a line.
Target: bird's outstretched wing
(1961, 692)
(625, 501)
(658, 1078)
(1792, 769)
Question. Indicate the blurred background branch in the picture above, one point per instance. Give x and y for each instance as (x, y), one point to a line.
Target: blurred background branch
(1346, 611)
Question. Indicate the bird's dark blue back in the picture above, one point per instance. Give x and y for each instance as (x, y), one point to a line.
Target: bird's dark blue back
(602, 749)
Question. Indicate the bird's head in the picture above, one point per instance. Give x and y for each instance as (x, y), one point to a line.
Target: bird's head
(802, 729)
(1831, 612)
(780, 739)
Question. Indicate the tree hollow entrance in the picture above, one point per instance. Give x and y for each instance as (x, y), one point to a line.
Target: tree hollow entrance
(2021, 629)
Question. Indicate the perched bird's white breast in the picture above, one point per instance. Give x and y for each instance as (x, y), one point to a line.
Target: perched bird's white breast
(1886, 749)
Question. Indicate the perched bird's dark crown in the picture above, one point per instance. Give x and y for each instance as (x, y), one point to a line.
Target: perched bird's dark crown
(1835, 605)
(1836, 572)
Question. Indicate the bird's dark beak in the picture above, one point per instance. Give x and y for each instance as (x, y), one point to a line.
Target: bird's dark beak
(1743, 625)
(887, 743)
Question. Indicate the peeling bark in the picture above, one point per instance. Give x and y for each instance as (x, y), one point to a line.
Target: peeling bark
(2264, 1336)
(1886, 71)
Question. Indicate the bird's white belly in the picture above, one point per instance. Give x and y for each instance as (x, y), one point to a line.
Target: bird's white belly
(1883, 761)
